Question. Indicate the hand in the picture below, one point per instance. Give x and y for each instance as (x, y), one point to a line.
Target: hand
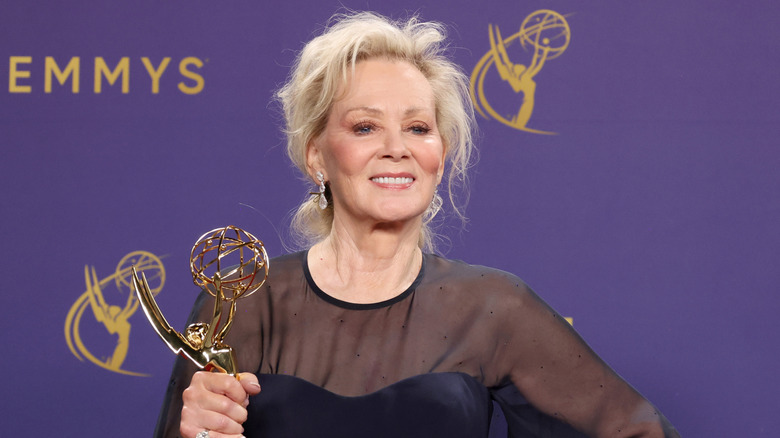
(216, 402)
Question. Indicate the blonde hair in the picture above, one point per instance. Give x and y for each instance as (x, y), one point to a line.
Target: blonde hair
(325, 63)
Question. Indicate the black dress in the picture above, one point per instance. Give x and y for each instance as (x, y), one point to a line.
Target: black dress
(427, 363)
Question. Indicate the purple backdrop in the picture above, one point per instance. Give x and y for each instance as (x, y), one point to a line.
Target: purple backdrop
(651, 217)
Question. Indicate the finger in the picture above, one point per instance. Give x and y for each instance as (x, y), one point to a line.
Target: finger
(213, 434)
(194, 421)
(219, 383)
(250, 383)
(189, 432)
(198, 400)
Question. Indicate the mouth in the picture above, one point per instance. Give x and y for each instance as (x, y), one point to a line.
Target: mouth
(393, 181)
(387, 180)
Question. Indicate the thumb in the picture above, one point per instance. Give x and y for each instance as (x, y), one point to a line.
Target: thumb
(249, 383)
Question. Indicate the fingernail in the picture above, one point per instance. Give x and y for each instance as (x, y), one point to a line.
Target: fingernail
(255, 385)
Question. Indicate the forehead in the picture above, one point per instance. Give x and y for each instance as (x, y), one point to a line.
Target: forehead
(377, 83)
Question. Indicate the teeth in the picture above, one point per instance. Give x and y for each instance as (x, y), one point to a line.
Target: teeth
(388, 180)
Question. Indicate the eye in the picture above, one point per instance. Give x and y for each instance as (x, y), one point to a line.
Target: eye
(419, 129)
(363, 128)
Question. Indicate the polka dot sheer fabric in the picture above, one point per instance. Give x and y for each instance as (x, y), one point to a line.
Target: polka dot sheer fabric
(428, 362)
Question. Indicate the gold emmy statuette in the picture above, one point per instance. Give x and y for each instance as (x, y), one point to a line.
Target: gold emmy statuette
(229, 264)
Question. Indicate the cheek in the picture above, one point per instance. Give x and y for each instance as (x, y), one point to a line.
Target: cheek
(345, 158)
(432, 160)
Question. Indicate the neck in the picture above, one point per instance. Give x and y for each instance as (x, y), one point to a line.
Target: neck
(368, 265)
(378, 241)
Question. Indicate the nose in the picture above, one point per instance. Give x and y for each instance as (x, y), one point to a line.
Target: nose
(395, 147)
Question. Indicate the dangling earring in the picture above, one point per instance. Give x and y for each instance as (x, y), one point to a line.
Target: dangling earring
(322, 201)
(436, 204)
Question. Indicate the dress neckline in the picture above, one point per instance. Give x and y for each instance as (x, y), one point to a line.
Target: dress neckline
(360, 306)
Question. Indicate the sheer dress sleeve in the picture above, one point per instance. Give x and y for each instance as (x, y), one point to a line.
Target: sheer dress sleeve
(544, 372)
(424, 363)
(539, 370)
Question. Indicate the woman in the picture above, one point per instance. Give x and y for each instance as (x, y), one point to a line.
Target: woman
(364, 334)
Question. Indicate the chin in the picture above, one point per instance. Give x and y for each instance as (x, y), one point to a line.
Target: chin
(392, 215)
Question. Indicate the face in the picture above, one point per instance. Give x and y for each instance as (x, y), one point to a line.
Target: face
(381, 150)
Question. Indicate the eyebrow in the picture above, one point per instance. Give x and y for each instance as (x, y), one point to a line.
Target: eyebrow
(376, 111)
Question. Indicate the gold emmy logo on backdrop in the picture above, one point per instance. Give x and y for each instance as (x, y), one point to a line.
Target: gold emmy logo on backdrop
(224, 262)
(546, 33)
(114, 318)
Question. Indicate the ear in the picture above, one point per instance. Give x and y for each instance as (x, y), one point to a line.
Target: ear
(314, 161)
(442, 163)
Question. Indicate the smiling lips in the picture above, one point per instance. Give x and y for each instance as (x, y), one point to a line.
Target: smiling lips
(395, 182)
